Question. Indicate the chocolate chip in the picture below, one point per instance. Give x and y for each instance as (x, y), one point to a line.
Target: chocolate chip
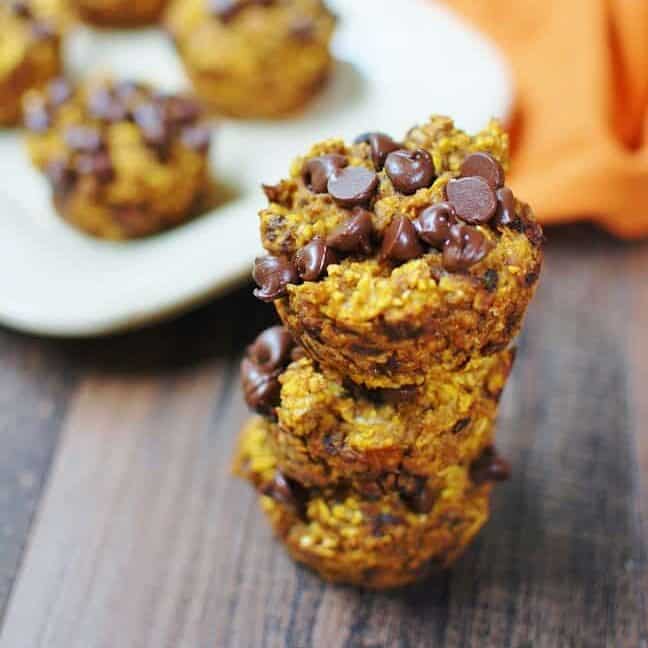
(460, 425)
(302, 29)
(271, 349)
(38, 117)
(127, 90)
(465, 247)
(312, 260)
(288, 492)
(84, 139)
(42, 30)
(181, 111)
(21, 9)
(60, 176)
(298, 353)
(472, 198)
(272, 192)
(400, 241)
(485, 166)
(489, 467)
(381, 146)
(103, 104)
(149, 117)
(434, 222)
(317, 171)
(383, 521)
(273, 274)
(491, 279)
(98, 165)
(58, 92)
(416, 493)
(261, 388)
(353, 235)
(398, 395)
(353, 186)
(530, 278)
(196, 138)
(410, 171)
(505, 214)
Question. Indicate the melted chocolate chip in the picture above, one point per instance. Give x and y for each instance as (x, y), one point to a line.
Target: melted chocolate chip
(416, 493)
(465, 247)
(317, 171)
(354, 235)
(491, 279)
(434, 223)
(271, 349)
(410, 171)
(104, 105)
(261, 388)
(302, 29)
(181, 111)
(382, 522)
(400, 241)
(150, 119)
(287, 492)
(485, 166)
(505, 214)
(472, 198)
(273, 274)
(313, 259)
(298, 353)
(272, 192)
(61, 178)
(353, 186)
(460, 425)
(381, 146)
(489, 467)
(97, 165)
(196, 138)
(84, 139)
(58, 92)
(398, 395)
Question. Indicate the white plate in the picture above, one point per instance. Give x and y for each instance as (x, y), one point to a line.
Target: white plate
(397, 63)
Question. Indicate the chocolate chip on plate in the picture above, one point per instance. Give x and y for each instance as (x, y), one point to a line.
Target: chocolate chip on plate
(273, 274)
(317, 171)
(58, 91)
(400, 241)
(287, 492)
(485, 166)
(465, 246)
(505, 214)
(85, 139)
(489, 467)
(97, 164)
(354, 235)
(312, 260)
(353, 186)
(410, 171)
(381, 146)
(434, 222)
(473, 199)
(271, 349)
(197, 138)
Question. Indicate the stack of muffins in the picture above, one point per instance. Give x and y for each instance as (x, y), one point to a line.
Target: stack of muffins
(401, 272)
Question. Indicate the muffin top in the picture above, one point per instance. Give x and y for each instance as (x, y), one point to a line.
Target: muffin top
(438, 198)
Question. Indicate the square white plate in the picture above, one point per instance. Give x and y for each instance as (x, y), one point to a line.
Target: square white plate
(397, 62)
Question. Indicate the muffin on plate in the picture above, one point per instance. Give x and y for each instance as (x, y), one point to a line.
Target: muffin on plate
(123, 160)
(253, 58)
(30, 51)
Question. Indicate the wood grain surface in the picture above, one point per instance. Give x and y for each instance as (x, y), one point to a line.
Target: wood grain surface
(122, 528)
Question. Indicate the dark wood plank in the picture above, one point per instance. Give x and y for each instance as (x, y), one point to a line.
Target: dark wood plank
(144, 540)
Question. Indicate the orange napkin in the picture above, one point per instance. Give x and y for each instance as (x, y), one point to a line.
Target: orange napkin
(581, 121)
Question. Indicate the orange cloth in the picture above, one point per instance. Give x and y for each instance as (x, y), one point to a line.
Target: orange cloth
(581, 121)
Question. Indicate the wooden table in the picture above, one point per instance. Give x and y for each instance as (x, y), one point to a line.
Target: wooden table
(121, 527)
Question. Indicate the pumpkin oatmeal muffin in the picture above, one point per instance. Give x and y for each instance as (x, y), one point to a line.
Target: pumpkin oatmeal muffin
(388, 258)
(324, 430)
(253, 58)
(30, 44)
(123, 160)
(119, 13)
(377, 542)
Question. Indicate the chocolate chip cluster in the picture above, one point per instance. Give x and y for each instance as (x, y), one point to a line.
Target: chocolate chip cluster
(39, 28)
(476, 198)
(162, 119)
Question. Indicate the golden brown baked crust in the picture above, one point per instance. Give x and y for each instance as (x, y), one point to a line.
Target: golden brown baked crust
(329, 431)
(119, 13)
(379, 542)
(123, 160)
(30, 43)
(253, 59)
(382, 321)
